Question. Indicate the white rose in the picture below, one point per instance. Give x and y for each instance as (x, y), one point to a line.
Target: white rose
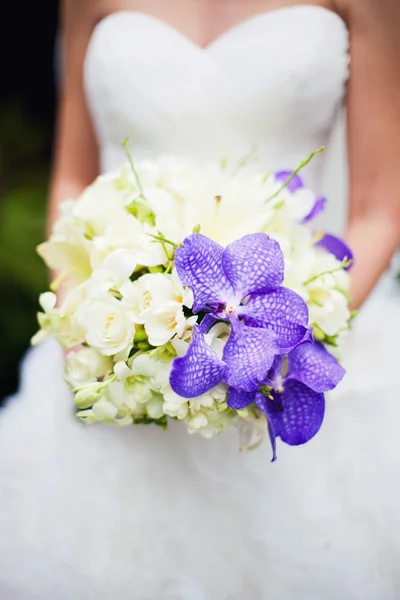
(86, 365)
(107, 326)
(70, 331)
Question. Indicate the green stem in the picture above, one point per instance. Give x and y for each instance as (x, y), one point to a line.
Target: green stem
(136, 176)
(302, 164)
(245, 160)
(344, 264)
(163, 240)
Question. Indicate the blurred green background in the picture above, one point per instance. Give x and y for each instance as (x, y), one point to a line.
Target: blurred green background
(27, 102)
(23, 177)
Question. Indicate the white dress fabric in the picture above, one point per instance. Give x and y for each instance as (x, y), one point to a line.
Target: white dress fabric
(97, 513)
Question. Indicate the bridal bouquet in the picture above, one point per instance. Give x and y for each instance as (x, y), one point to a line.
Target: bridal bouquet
(198, 294)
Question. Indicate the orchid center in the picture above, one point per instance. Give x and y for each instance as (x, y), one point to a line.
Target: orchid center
(277, 384)
(230, 310)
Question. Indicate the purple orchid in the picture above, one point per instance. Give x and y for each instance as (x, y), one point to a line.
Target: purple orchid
(296, 184)
(317, 209)
(240, 284)
(337, 247)
(331, 243)
(296, 406)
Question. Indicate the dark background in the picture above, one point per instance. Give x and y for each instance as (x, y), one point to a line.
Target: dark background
(27, 110)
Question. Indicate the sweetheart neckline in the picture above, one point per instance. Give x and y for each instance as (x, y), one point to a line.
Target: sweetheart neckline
(225, 34)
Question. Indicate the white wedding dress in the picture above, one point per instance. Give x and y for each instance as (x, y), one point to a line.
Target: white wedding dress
(97, 513)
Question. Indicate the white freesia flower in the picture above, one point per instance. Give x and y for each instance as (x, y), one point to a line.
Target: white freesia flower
(107, 325)
(68, 250)
(178, 410)
(196, 422)
(155, 406)
(163, 323)
(149, 292)
(327, 291)
(104, 410)
(134, 394)
(329, 310)
(210, 423)
(157, 301)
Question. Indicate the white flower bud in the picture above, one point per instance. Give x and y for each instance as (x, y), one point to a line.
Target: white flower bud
(104, 410)
(47, 301)
(86, 397)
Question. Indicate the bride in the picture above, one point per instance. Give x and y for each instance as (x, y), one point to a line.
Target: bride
(99, 513)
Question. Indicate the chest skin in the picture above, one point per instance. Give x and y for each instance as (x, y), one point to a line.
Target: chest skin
(201, 21)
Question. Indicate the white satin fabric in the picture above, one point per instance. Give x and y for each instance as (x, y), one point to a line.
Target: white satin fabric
(99, 513)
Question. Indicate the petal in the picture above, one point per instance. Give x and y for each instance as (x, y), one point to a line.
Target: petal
(261, 402)
(276, 368)
(206, 323)
(316, 210)
(199, 265)
(337, 247)
(295, 184)
(248, 354)
(198, 371)
(283, 311)
(313, 365)
(297, 415)
(253, 264)
(238, 399)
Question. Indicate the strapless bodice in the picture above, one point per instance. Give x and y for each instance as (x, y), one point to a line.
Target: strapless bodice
(271, 85)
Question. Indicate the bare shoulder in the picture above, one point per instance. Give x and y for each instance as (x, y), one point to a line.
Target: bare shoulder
(376, 13)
